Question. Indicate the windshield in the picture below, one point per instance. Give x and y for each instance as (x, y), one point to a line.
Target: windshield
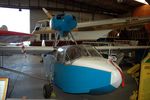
(78, 51)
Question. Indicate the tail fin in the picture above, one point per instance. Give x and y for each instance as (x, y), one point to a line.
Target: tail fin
(47, 13)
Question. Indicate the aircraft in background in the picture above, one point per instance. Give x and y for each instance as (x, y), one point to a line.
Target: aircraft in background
(78, 64)
(42, 27)
(93, 30)
(7, 37)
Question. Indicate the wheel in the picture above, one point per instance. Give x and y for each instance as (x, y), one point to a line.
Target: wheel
(47, 90)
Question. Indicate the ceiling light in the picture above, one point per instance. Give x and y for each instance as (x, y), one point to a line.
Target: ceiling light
(142, 1)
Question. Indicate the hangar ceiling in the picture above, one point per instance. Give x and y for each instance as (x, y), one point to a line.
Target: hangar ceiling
(148, 1)
(107, 7)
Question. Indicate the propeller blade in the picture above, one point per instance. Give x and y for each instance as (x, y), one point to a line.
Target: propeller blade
(22, 73)
(47, 13)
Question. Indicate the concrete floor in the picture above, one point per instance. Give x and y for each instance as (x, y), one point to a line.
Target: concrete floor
(20, 86)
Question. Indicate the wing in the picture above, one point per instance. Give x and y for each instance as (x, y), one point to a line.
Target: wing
(6, 51)
(121, 47)
(14, 37)
(9, 50)
(40, 50)
(117, 23)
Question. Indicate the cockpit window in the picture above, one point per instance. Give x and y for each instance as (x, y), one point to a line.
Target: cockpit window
(60, 16)
(75, 52)
(42, 24)
(37, 28)
(92, 51)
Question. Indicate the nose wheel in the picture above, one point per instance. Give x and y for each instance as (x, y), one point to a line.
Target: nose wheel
(47, 90)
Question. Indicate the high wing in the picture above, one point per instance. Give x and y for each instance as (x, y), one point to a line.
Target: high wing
(14, 37)
(9, 50)
(121, 47)
(117, 23)
(4, 50)
(60, 25)
(45, 26)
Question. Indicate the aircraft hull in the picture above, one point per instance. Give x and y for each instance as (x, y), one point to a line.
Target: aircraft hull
(79, 79)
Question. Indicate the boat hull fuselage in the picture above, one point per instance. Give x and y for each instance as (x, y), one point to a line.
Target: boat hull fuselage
(79, 79)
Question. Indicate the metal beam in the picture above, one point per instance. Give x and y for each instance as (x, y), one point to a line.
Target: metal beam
(73, 5)
(88, 7)
(39, 7)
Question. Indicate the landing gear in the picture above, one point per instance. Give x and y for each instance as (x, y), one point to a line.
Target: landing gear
(47, 90)
(73, 38)
(69, 35)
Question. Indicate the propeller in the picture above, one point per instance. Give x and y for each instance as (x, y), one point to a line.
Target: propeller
(47, 13)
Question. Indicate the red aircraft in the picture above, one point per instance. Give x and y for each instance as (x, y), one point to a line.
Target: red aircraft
(13, 37)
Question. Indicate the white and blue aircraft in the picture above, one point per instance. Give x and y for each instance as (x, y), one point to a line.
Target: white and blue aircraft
(82, 69)
(75, 69)
(78, 68)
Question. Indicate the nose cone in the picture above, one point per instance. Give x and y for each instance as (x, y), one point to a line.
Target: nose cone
(103, 65)
(116, 78)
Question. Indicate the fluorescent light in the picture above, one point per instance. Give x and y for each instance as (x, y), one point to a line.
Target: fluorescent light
(142, 1)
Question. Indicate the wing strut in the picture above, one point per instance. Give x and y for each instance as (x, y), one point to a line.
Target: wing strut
(73, 38)
(69, 35)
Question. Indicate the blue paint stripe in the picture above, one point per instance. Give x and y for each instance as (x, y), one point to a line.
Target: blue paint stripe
(78, 79)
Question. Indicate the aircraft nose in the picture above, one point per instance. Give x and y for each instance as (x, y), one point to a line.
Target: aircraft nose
(117, 76)
(105, 65)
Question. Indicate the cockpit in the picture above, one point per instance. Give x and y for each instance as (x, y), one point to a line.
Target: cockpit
(41, 24)
(72, 52)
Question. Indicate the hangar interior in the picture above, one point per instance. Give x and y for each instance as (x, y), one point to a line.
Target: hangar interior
(28, 87)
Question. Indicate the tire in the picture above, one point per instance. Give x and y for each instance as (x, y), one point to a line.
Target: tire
(47, 90)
